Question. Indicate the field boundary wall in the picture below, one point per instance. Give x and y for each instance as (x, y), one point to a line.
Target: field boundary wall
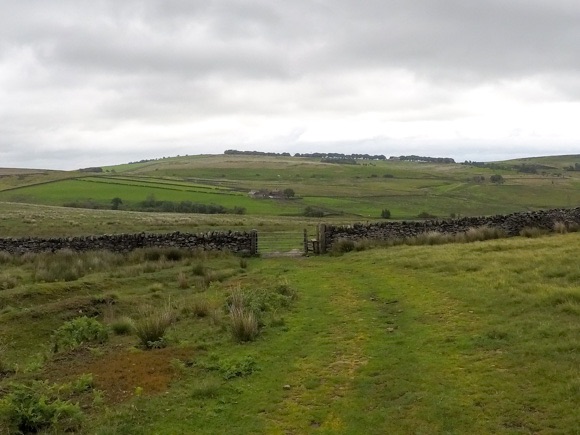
(512, 224)
(237, 242)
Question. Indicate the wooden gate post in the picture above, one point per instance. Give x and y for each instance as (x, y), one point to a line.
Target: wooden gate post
(322, 239)
(305, 241)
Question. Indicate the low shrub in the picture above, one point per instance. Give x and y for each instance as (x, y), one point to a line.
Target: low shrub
(230, 368)
(426, 215)
(38, 406)
(77, 332)
(285, 289)
(238, 367)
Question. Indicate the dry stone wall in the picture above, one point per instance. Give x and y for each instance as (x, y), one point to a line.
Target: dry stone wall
(238, 242)
(512, 224)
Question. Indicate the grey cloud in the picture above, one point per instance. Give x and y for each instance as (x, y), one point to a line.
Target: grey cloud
(74, 67)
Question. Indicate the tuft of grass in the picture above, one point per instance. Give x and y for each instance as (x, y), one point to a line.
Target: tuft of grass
(481, 234)
(342, 246)
(285, 289)
(206, 388)
(431, 238)
(533, 232)
(8, 281)
(64, 265)
(174, 254)
(152, 325)
(199, 269)
(244, 324)
(156, 287)
(560, 228)
(201, 282)
(122, 326)
(200, 306)
(182, 280)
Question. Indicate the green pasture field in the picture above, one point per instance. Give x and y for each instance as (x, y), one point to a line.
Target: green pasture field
(559, 162)
(473, 338)
(102, 192)
(354, 192)
(151, 181)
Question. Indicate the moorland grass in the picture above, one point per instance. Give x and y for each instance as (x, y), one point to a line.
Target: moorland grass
(479, 337)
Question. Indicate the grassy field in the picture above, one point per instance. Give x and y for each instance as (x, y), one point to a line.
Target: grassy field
(465, 338)
(23, 220)
(475, 338)
(354, 192)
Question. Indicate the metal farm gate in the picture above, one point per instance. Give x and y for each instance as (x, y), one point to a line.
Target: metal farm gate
(283, 243)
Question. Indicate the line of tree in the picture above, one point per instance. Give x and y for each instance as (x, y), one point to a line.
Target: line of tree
(341, 156)
(152, 205)
(414, 158)
(256, 153)
(309, 155)
(495, 166)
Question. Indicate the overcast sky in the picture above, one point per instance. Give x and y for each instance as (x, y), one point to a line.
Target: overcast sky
(85, 83)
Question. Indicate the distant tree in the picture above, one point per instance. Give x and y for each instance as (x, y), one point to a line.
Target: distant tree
(497, 179)
(116, 202)
(386, 214)
(289, 193)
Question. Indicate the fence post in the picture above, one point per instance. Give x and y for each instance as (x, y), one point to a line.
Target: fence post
(305, 241)
(254, 242)
(322, 239)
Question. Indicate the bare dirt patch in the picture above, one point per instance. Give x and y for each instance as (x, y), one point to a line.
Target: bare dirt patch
(120, 372)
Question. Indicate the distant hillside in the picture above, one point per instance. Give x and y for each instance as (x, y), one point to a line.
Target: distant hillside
(362, 191)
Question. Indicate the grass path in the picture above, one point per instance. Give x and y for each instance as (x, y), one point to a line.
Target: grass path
(453, 339)
(361, 358)
(406, 350)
